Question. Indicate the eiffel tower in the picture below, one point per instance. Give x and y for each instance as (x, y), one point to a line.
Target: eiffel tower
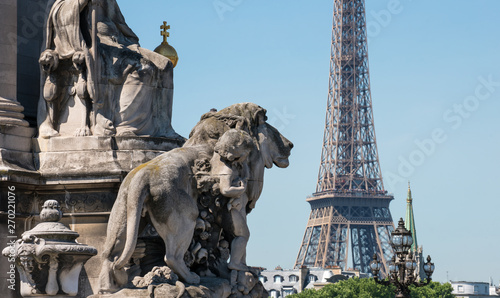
(350, 218)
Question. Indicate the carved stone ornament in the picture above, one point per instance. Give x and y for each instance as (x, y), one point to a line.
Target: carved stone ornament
(48, 258)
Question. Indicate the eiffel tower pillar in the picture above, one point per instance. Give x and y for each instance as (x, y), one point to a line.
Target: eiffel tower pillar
(350, 218)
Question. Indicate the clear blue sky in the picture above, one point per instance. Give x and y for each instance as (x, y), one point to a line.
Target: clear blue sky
(429, 61)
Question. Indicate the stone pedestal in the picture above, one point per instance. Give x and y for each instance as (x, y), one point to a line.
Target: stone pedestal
(15, 147)
(94, 157)
(83, 174)
(209, 287)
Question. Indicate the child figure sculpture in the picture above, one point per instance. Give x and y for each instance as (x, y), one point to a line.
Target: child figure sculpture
(230, 165)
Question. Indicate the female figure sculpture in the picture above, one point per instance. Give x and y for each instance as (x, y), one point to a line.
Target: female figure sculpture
(97, 80)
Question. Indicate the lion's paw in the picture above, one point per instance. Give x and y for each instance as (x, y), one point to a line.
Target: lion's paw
(47, 132)
(82, 132)
(192, 278)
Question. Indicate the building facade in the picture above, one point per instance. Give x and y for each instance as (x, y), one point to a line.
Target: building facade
(467, 289)
(283, 282)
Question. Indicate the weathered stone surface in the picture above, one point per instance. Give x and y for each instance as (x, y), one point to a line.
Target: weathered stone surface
(15, 147)
(86, 197)
(197, 198)
(48, 258)
(16, 130)
(8, 2)
(65, 144)
(12, 162)
(135, 293)
(8, 47)
(158, 275)
(210, 287)
(83, 172)
(86, 210)
(108, 87)
(14, 142)
(15, 135)
(92, 156)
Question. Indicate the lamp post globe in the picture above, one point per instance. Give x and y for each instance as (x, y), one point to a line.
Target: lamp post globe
(429, 267)
(401, 238)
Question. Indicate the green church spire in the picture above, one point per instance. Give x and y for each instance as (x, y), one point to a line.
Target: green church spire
(410, 219)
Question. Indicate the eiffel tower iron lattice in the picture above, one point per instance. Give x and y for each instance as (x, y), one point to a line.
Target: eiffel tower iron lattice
(350, 208)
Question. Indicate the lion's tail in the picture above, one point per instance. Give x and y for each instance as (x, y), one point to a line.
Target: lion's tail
(118, 213)
(136, 197)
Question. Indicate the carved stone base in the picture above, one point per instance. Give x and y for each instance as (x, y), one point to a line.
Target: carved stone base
(92, 156)
(83, 174)
(209, 287)
(45, 296)
(15, 144)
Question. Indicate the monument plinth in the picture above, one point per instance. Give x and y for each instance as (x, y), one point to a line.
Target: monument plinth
(96, 156)
(166, 215)
(102, 111)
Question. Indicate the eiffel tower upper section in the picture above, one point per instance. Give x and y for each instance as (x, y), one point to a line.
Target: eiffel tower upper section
(349, 159)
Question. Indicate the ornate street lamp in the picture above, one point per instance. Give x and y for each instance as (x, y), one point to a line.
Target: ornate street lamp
(403, 264)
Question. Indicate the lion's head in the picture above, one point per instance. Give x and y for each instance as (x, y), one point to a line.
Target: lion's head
(49, 60)
(212, 125)
(273, 147)
(79, 60)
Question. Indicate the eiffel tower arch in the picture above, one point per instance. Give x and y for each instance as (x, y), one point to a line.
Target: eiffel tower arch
(350, 218)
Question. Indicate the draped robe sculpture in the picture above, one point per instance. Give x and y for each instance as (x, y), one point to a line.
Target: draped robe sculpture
(96, 78)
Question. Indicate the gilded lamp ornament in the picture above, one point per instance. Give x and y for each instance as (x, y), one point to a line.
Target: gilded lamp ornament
(165, 49)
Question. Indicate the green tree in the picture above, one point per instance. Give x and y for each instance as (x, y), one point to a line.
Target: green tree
(432, 290)
(368, 288)
(351, 288)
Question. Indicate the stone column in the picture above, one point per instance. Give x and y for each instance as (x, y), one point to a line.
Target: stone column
(10, 109)
(15, 133)
(8, 48)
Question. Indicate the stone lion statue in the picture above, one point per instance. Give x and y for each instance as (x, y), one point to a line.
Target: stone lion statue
(167, 191)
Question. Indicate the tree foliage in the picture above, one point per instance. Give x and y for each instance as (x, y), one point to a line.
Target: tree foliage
(368, 288)
(434, 289)
(351, 288)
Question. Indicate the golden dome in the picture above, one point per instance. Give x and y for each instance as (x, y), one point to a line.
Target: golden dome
(165, 49)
